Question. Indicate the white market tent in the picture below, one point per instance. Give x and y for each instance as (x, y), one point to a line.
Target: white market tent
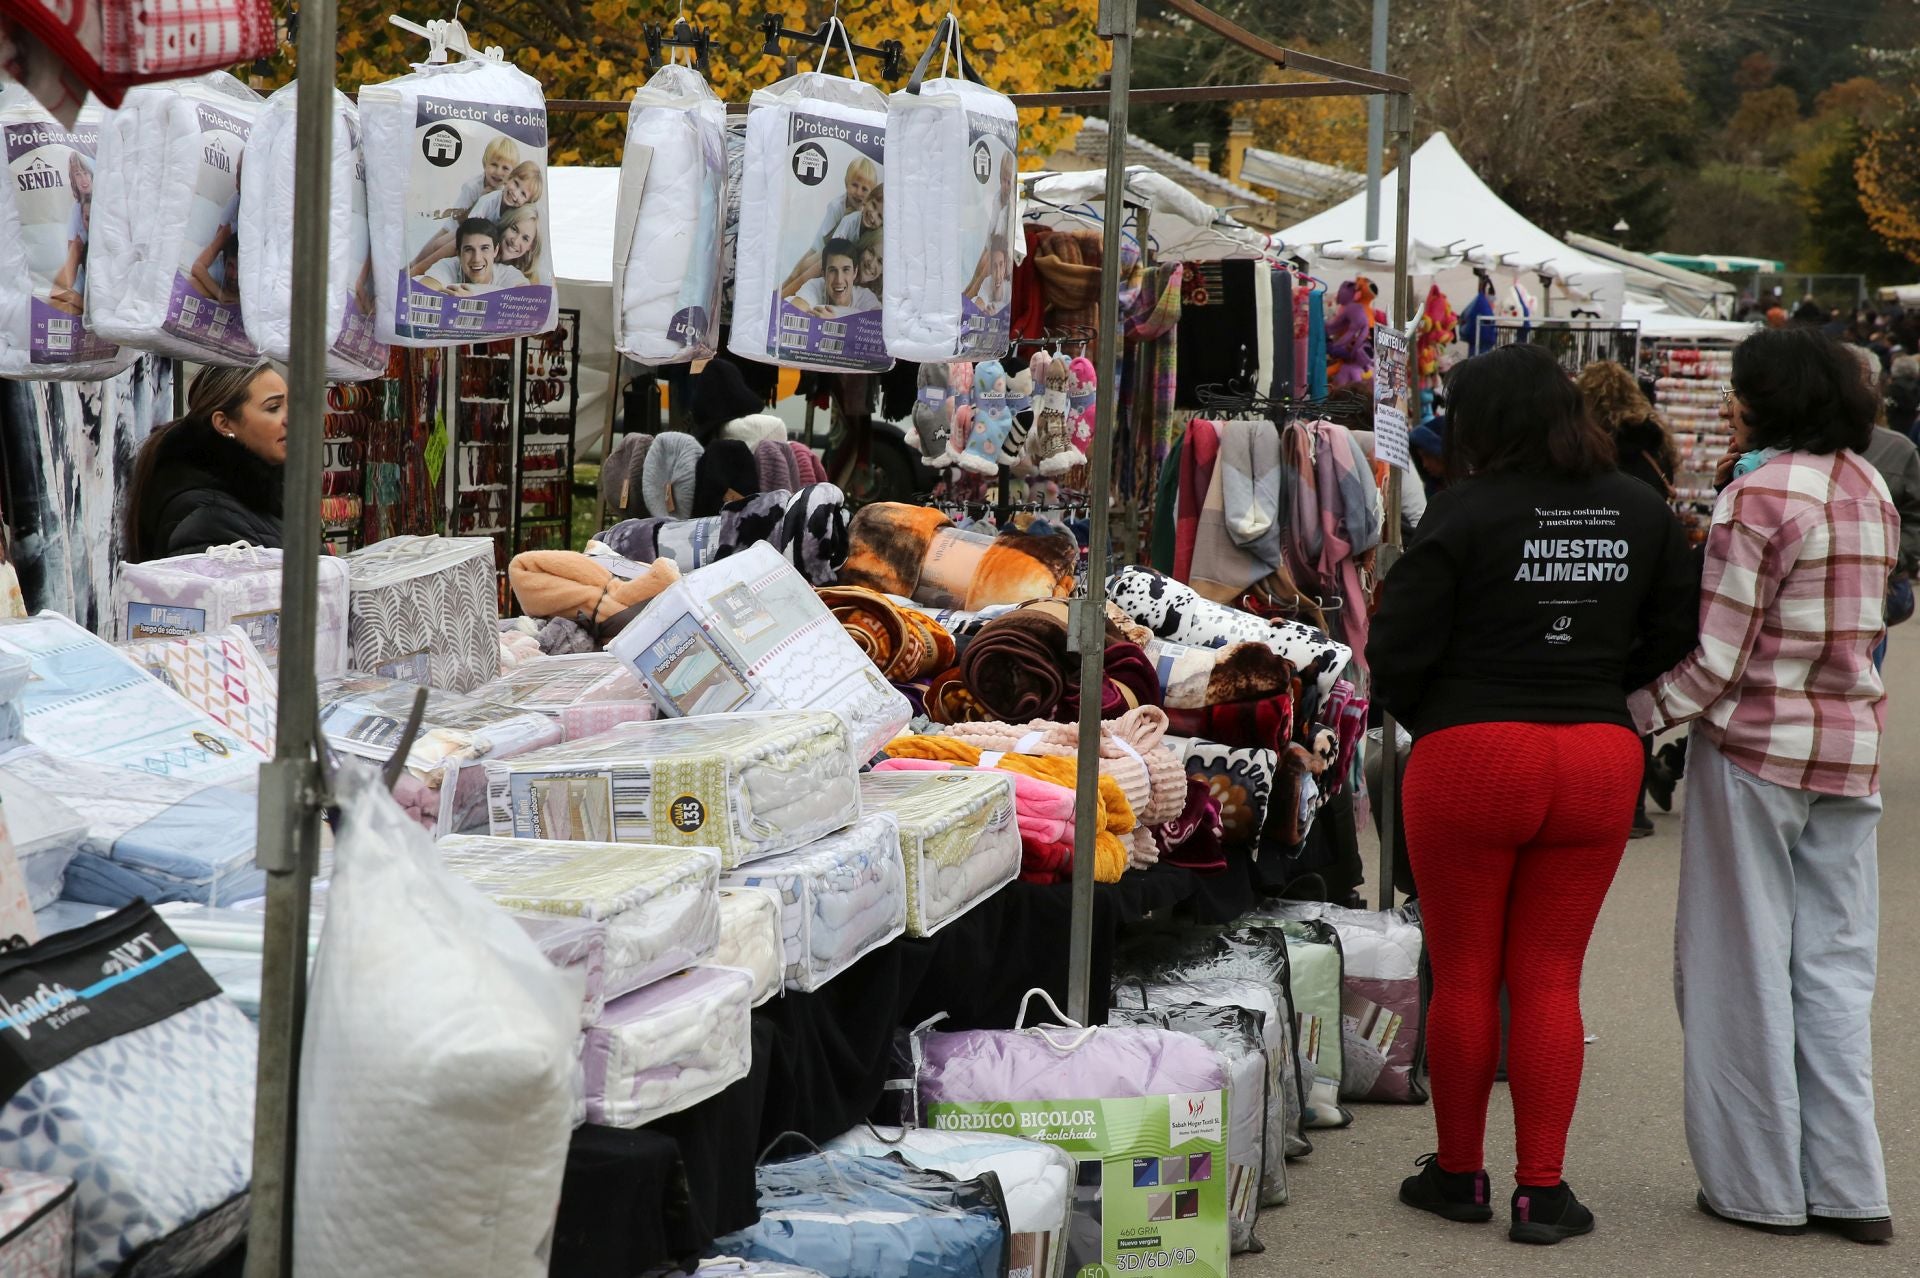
(1458, 223)
(1657, 321)
(581, 203)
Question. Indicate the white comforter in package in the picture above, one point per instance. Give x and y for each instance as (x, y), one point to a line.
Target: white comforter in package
(958, 838)
(461, 226)
(46, 834)
(669, 1046)
(750, 939)
(748, 633)
(673, 195)
(46, 218)
(163, 265)
(237, 585)
(661, 905)
(952, 151)
(354, 353)
(807, 261)
(425, 610)
(841, 898)
(750, 785)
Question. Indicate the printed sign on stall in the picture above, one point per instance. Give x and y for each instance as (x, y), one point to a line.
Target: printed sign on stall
(827, 308)
(1392, 396)
(205, 306)
(52, 172)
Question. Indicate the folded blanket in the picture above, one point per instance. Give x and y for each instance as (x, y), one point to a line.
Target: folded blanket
(1046, 841)
(1018, 666)
(1131, 752)
(1128, 682)
(905, 643)
(946, 700)
(899, 549)
(564, 583)
(1240, 780)
(1192, 678)
(809, 527)
(1266, 724)
(1193, 840)
(841, 897)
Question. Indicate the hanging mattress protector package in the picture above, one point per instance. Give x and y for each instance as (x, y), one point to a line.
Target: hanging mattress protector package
(854, 1217)
(841, 897)
(236, 585)
(671, 1045)
(354, 353)
(1143, 1111)
(807, 262)
(958, 837)
(1176, 612)
(588, 692)
(953, 150)
(661, 906)
(1383, 1034)
(750, 939)
(135, 1078)
(672, 211)
(221, 675)
(749, 785)
(1035, 1179)
(425, 610)
(747, 633)
(36, 1225)
(46, 834)
(89, 702)
(445, 789)
(163, 262)
(46, 219)
(1314, 978)
(462, 234)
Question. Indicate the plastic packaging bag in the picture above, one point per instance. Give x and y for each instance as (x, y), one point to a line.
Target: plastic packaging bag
(673, 193)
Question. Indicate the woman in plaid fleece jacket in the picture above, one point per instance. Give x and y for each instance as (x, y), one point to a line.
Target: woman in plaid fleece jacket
(1779, 909)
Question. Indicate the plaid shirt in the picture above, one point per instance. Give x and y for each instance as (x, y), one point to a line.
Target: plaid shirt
(1792, 602)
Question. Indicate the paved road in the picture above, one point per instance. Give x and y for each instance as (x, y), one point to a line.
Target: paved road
(1628, 1152)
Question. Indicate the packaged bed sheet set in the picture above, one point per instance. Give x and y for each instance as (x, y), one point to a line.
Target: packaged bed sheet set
(749, 634)
(675, 1043)
(840, 897)
(462, 232)
(236, 585)
(163, 263)
(673, 198)
(809, 255)
(750, 939)
(1383, 1034)
(46, 834)
(958, 838)
(221, 675)
(748, 785)
(354, 353)
(425, 610)
(46, 220)
(588, 692)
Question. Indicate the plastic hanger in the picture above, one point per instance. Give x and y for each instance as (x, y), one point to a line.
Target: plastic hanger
(444, 37)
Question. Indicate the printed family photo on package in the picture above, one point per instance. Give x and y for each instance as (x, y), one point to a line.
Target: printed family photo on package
(987, 229)
(52, 171)
(205, 306)
(479, 264)
(827, 309)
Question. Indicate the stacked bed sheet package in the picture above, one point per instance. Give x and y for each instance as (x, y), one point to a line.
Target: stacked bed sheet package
(1036, 1180)
(854, 1217)
(958, 838)
(1383, 1037)
(46, 834)
(425, 610)
(750, 785)
(228, 586)
(748, 633)
(221, 675)
(750, 939)
(841, 898)
(588, 692)
(673, 1044)
(446, 786)
(661, 905)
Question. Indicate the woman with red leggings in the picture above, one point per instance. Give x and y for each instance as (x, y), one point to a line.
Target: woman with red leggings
(1543, 586)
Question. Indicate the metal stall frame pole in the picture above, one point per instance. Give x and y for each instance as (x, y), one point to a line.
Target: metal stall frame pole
(1400, 106)
(1089, 616)
(292, 794)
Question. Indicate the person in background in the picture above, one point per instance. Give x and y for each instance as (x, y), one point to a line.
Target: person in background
(213, 477)
(1777, 927)
(1427, 443)
(1898, 461)
(1903, 396)
(1541, 586)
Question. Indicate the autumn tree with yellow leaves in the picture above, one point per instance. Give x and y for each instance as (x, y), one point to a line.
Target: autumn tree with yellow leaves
(1888, 170)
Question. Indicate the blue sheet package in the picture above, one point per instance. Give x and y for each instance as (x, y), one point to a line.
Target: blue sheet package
(853, 1217)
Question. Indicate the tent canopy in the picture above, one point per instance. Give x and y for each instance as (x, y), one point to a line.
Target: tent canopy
(581, 201)
(1181, 226)
(1721, 264)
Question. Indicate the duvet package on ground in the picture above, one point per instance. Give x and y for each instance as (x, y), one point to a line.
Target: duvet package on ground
(673, 203)
(841, 897)
(1313, 955)
(1383, 1036)
(425, 610)
(136, 1081)
(354, 353)
(750, 939)
(163, 261)
(749, 634)
(749, 785)
(222, 676)
(952, 150)
(46, 217)
(462, 234)
(673, 1044)
(854, 1217)
(46, 834)
(1036, 1181)
(36, 1225)
(438, 1068)
(235, 585)
(661, 906)
(958, 838)
(808, 258)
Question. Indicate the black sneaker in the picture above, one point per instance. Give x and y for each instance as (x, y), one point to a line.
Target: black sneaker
(1873, 1229)
(1545, 1216)
(1642, 826)
(1461, 1196)
(1660, 784)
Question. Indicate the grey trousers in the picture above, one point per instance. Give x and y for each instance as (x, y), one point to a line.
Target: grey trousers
(1775, 950)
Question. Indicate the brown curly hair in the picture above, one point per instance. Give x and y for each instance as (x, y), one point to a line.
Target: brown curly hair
(1615, 400)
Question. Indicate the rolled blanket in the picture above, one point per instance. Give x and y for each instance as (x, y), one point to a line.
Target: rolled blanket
(1194, 839)
(1153, 777)
(1128, 682)
(565, 583)
(1266, 724)
(916, 551)
(1017, 666)
(809, 527)
(1192, 678)
(1177, 612)
(947, 700)
(905, 644)
(887, 544)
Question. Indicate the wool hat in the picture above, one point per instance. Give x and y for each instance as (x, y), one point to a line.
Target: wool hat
(620, 476)
(810, 468)
(752, 429)
(721, 394)
(726, 472)
(666, 483)
(775, 462)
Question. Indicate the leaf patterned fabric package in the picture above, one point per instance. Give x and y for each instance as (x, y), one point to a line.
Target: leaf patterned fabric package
(426, 610)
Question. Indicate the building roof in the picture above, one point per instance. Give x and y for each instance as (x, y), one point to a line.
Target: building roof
(1092, 143)
(1306, 182)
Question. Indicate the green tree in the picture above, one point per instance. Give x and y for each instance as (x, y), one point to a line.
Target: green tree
(1840, 238)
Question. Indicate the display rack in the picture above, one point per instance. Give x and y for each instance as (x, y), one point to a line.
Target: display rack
(549, 373)
(479, 480)
(1690, 382)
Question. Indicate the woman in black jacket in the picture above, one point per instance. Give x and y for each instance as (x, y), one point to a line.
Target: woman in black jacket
(214, 477)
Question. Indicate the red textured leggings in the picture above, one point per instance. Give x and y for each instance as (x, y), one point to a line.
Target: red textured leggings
(1515, 831)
